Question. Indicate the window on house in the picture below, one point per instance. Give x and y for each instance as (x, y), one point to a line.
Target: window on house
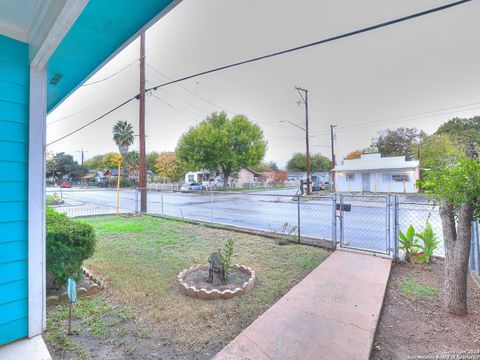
(396, 178)
(350, 177)
(191, 178)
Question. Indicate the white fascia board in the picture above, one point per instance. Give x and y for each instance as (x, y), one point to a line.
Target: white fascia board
(36, 203)
(52, 26)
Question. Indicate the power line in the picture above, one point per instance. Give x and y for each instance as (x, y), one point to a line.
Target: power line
(442, 111)
(93, 121)
(81, 111)
(174, 108)
(282, 52)
(112, 75)
(319, 42)
(203, 111)
(190, 91)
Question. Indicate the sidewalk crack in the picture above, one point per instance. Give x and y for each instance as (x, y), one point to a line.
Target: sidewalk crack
(258, 347)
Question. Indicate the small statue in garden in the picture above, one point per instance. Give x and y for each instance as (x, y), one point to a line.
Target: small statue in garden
(215, 266)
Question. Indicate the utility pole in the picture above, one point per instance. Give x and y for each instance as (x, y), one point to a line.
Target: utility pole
(332, 140)
(304, 95)
(143, 170)
(82, 152)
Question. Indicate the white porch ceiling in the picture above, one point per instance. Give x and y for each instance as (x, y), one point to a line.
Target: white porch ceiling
(21, 19)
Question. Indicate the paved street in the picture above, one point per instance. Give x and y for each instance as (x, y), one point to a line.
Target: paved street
(271, 210)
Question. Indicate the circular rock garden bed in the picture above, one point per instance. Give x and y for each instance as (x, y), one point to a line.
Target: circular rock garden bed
(193, 282)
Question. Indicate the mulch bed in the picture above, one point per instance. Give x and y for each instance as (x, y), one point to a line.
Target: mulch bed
(199, 277)
(413, 326)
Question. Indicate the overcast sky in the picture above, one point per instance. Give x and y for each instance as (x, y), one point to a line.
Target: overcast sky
(418, 73)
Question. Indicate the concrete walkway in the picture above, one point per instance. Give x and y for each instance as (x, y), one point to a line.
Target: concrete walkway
(331, 314)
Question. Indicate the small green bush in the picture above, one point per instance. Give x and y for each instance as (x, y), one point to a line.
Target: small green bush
(430, 243)
(408, 243)
(69, 243)
(226, 256)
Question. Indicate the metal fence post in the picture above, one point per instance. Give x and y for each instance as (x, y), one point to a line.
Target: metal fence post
(299, 219)
(388, 233)
(161, 199)
(396, 225)
(334, 220)
(474, 260)
(211, 206)
(136, 200)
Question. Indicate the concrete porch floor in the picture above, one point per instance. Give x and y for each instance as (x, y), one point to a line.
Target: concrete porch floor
(26, 349)
(331, 314)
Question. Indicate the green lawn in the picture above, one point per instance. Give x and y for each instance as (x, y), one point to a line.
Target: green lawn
(139, 258)
(413, 289)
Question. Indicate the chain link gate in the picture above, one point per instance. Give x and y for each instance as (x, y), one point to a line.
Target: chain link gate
(366, 222)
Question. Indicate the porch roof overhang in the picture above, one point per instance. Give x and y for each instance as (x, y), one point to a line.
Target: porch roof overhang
(74, 38)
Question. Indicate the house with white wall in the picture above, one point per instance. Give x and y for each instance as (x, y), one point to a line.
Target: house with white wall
(197, 176)
(377, 174)
(47, 50)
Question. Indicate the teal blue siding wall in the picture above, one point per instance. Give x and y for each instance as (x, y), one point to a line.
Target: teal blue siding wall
(14, 99)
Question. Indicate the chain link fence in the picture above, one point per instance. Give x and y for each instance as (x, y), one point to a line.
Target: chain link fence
(418, 214)
(363, 222)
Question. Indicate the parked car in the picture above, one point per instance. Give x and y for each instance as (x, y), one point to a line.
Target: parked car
(193, 186)
(325, 185)
(319, 186)
(213, 183)
(66, 185)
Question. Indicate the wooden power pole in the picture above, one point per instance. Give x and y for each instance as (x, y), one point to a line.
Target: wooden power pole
(304, 95)
(143, 169)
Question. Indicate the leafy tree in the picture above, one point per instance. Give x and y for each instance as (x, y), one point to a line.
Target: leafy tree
(399, 142)
(62, 164)
(94, 163)
(354, 155)
(456, 187)
(220, 142)
(437, 150)
(131, 163)
(280, 177)
(123, 136)
(266, 167)
(460, 130)
(168, 166)
(152, 158)
(110, 160)
(318, 162)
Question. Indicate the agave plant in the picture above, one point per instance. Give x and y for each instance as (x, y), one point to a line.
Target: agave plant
(408, 243)
(430, 243)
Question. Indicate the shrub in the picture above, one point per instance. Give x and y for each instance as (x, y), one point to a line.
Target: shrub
(226, 256)
(69, 243)
(408, 243)
(430, 243)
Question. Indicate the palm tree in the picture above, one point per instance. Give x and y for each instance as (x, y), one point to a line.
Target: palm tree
(123, 136)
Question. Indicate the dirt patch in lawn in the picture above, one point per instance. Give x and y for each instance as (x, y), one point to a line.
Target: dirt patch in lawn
(413, 322)
(199, 277)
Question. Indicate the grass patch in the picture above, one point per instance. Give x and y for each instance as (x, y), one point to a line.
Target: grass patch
(96, 316)
(413, 289)
(141, 256)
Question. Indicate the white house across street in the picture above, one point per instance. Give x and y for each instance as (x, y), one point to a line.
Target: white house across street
(377, 174)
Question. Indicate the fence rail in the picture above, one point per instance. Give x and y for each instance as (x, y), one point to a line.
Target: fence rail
(368, 222)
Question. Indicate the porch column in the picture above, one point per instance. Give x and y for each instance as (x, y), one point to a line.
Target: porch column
(36, 203)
